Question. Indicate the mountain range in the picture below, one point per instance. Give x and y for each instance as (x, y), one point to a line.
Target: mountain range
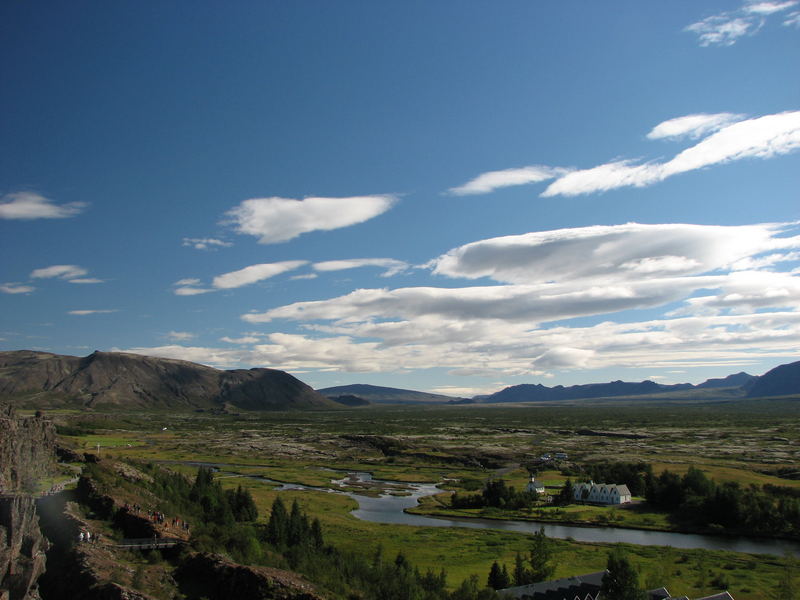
(41, 379)
(115, 379)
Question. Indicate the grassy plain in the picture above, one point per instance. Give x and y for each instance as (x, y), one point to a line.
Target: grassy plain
(744, 441)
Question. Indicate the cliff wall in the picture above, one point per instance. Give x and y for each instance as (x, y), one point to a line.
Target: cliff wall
(27, 456)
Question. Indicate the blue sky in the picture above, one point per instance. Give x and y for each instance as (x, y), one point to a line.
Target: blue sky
(444, 196)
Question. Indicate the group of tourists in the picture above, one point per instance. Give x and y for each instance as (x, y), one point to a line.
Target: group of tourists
(85, 536)
(158, 517)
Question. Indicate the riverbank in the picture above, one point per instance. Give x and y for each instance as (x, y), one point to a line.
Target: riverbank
(633, 517)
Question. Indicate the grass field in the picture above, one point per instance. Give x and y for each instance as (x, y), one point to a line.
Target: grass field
(738, 441)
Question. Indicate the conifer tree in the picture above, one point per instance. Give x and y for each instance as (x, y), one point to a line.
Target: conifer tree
(520, 573)
(317, 540)
(621, 582)
(567, 494)
(498, 578)
(278, 525)
(541, 557)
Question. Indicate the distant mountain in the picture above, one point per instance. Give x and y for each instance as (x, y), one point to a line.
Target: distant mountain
(540, 393)
(385, 395)
(780, 381)
(740, 379)
(41, 379)
(350, 400)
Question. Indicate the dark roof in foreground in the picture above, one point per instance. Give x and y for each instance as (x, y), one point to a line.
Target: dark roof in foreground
(568, 587)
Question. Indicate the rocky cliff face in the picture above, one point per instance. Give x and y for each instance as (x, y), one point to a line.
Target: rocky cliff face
(40, 379)
(27, 452)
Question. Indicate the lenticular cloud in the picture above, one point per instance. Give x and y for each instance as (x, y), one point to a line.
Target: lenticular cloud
(274, 220)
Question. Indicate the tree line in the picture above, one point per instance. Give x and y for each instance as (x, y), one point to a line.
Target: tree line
(694, 497)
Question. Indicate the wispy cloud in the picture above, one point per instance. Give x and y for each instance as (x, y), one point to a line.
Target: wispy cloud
(247, 339)
(792, 19)
(59, 271)
(275, 219)
(760, 137)
(255, 273)
(726, 28)
(392, 266)
(768, 8)
(728, 137)
(86, 280)
(236, 279)
(180, 336)
(205, 243)
(16, 288)
(693, 126)
(191, 291)
(101, 311)
(29, 205)
(492, 180)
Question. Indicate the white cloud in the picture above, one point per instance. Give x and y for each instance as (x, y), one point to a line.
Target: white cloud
(29, 205)
(16, 288)
(305, 276)
(205, 243)
(726, 28)
(86, 280)
(693, 126)
(761, 137)
(615, 253)
(492, 180)
(720, 341)
(191, 291)
(768, 8)
(93, 312)
(247, 339)
(792, 19)
(180, 336)
(561, 357)
(187, 281)
(255, 273)
(513, 303)
(728, 314)
(277, 219)
(392, 266)
(59, 271)
(462, 392)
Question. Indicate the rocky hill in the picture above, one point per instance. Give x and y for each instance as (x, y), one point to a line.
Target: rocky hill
(40, 379)
(783, 380)
(385, 395)
(740, 379)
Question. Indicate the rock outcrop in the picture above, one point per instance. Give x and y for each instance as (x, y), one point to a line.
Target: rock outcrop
(27, 451)
(117, 379)
(220, 579)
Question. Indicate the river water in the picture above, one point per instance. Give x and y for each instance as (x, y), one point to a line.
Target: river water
(390, 508)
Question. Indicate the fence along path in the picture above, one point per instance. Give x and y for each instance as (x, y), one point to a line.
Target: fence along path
(148, 543)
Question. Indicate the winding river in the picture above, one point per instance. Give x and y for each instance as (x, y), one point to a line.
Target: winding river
(390, 508)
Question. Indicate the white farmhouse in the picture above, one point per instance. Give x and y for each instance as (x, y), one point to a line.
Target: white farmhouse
(602, 493)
